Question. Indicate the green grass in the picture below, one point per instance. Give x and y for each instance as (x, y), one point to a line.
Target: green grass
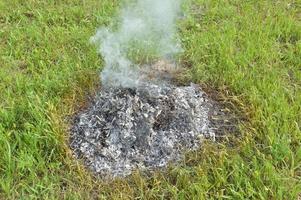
(250, 51)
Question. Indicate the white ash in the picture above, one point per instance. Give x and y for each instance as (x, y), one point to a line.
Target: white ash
(142, 128)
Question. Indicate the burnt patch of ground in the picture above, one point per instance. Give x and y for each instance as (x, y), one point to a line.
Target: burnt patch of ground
(145, 128)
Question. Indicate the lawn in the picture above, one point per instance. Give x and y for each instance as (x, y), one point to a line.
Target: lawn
(248, 51)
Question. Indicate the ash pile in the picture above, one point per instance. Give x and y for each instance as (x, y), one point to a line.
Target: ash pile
(142, 128)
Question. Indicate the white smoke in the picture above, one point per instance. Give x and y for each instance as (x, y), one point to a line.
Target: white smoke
(146, 30)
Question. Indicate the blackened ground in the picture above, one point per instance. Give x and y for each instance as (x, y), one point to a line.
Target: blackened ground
(146, 128)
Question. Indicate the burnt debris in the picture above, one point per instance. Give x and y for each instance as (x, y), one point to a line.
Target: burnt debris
(146, 127)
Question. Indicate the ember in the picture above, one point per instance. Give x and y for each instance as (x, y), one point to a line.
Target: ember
(146, 127)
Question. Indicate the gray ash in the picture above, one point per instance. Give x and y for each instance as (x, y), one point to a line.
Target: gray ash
(142, 128)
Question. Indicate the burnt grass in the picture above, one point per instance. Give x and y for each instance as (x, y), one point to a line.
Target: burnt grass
(159, 132)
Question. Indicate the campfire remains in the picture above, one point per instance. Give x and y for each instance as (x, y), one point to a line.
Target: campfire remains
(141, 128)
(139, 119)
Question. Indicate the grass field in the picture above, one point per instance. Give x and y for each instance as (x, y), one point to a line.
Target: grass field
(250, 51)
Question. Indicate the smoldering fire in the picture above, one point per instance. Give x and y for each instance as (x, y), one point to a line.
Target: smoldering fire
(138, 121)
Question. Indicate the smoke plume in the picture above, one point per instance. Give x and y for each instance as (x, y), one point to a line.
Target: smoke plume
(146, 31)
